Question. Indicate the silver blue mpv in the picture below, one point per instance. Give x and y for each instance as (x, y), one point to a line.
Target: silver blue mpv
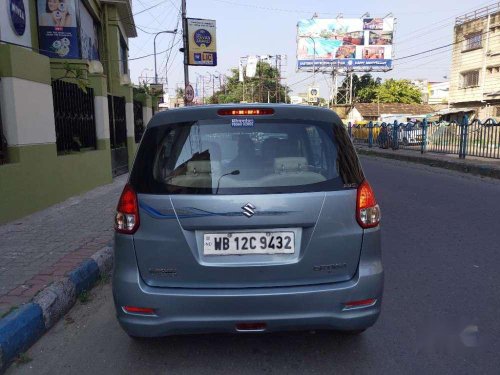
(246, 218)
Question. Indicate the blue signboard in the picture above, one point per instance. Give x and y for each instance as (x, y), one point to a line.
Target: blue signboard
(346, 63)
(57, 29)
(17, 16)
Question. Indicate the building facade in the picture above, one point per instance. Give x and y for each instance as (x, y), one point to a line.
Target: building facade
(475, 70)
(434, 93)
(384, 112)
(68, 118)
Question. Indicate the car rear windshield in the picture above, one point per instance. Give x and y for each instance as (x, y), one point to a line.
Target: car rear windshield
(216, 157)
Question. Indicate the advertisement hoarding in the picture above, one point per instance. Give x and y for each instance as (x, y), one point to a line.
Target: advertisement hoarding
(202, 46)
(251, 70)
(350, 43)
(57, 29)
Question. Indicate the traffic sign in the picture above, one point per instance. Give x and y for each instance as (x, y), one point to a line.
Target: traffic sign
(189, 93)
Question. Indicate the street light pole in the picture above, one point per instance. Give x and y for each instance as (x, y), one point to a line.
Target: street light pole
(185, 48)
(154, 47)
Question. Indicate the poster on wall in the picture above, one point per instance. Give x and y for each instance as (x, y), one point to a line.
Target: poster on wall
(57, 28)
(352, 43)
(88, 35)
(202, 46)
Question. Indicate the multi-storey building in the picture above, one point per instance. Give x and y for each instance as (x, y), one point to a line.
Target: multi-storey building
(475, 69)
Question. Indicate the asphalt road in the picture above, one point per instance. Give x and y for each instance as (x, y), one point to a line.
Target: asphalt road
(441, 312)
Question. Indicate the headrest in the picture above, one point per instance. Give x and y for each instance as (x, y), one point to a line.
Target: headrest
(292, 164)
(199, 166)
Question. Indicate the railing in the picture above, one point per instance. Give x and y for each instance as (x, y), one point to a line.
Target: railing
(476, 138)
(74, 117)
(3, 143)
(138, 121)
(478, 13)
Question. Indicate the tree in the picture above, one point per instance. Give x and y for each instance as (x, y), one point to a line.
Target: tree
(265, 85)
(391, 91)
(358, 84)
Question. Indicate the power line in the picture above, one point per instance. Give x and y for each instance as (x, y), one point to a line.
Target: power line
(151, 14)
(145, 43)
(300, 11)
(175, 6)
(417, 31)
(435, 49)
(135, 14)
(167, 57)
(143, 57)
(302, 80)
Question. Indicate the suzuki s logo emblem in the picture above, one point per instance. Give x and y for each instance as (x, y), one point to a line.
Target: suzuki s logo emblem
(248, 210)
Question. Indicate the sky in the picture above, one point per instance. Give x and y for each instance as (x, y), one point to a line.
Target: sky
(268, 27)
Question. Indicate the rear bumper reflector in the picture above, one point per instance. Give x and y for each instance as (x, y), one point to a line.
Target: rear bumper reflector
(360, 304)
(251, 327)
(139, 310)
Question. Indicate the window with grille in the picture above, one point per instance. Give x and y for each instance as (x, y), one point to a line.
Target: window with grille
(470, 79)
(123, 56)
(473, 41)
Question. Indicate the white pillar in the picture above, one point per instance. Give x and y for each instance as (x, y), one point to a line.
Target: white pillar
(129, 113)
(101, 117)
(147, 114)
(27, 112)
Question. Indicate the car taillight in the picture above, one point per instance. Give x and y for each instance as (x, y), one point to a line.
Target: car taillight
(367, 209)
(245, 112)
(127, 212)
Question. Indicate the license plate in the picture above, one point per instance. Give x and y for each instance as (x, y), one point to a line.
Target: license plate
(248, 243)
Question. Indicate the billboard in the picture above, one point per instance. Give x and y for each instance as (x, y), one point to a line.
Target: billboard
(252, 66)
(57, 28)
(350, 43)
(202, 46)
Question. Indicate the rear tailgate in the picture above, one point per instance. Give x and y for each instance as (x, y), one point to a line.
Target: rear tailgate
(169, 242)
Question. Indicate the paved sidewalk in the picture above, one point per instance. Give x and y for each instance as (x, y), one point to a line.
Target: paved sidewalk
(42, 247)
(474, 165)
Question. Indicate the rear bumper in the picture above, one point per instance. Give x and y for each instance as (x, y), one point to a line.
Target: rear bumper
(183, 311)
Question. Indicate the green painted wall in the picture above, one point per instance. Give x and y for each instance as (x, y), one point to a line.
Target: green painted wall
(36, 177)
(112, 32)
(41, 178)
(33, 23)
(22, 63)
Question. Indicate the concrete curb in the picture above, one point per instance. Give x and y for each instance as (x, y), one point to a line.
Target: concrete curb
(472, 168)
(23, 327)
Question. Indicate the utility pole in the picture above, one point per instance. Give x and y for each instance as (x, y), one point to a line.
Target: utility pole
(185, 48)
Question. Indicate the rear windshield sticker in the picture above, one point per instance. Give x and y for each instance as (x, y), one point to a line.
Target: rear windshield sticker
(242, 122)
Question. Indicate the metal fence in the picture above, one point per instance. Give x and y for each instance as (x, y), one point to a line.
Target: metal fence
(74, 117)
(118, 134)
(466, 138)
(3, 143)
(138, 121)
